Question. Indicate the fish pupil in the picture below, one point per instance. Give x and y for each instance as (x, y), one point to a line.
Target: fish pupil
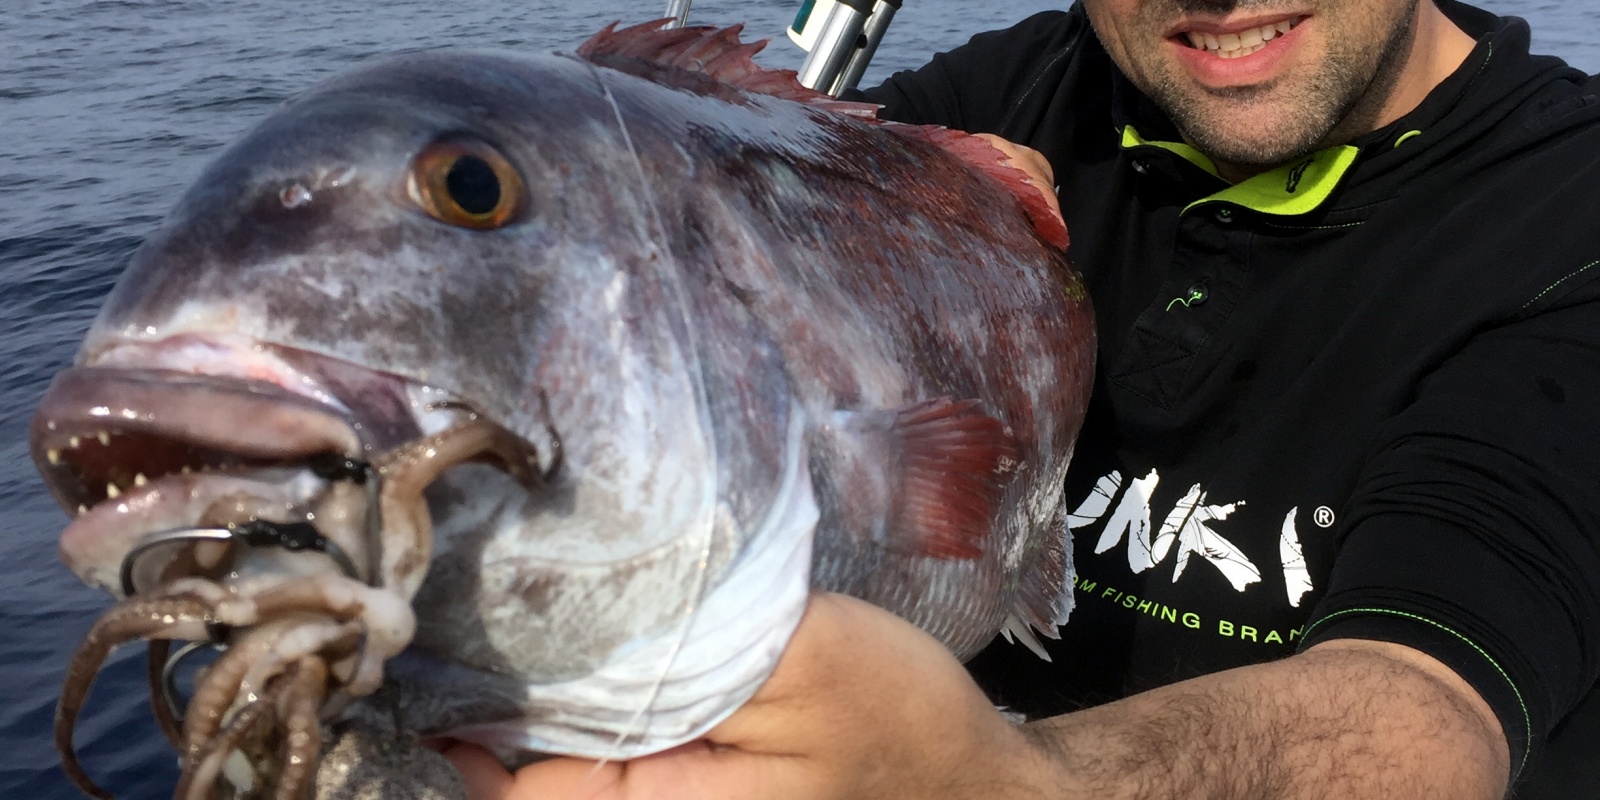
(473, 185)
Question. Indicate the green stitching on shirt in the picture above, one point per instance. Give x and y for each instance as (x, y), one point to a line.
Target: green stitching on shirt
(1192, 298)
(1564, 279)
(1406, 136)
(1527, 719)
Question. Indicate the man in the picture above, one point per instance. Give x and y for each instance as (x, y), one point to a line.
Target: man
(1337, 502)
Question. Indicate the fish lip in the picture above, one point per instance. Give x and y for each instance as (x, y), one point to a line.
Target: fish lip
(101, 426)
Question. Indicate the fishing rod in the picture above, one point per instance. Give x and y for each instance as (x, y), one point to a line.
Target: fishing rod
(840, 38)
(678, 11)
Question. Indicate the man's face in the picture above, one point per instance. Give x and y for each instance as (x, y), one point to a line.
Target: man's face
(1255, 83)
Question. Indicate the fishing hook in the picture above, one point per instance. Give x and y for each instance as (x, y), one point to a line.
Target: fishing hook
(292, 536)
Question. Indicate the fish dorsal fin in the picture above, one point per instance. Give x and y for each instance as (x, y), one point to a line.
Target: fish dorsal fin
(718, 54)
(715, 53)
(989, 160)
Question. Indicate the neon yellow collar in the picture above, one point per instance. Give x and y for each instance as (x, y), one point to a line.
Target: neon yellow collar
(1299, 187)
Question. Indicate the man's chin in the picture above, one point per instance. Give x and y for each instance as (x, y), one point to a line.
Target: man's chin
(1253, 148)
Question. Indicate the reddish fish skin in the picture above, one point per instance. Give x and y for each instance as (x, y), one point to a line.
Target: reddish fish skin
(771, 264)
(888, 236)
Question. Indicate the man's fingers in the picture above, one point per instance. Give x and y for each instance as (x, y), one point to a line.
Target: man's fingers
(1032, 163)
(570, 779)
(862, 706)
(485, 778)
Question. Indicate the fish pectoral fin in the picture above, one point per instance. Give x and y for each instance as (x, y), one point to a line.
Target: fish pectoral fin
(926, 479)
(955, 464)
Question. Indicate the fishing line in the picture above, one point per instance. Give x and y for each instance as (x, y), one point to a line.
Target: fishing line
(638, 726)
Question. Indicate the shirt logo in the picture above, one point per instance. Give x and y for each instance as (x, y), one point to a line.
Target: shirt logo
(1296, 174)
(1186, 532)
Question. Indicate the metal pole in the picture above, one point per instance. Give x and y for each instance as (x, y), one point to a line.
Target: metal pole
(882, 14)
(678, 10)
(841, 37)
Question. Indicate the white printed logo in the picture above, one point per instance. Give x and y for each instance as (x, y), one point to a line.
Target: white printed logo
(1188, 527)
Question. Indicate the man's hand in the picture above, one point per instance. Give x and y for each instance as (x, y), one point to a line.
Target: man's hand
(1033, 164)
(862, 705)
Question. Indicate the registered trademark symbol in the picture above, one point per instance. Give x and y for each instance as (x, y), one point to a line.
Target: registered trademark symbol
(1323, 516)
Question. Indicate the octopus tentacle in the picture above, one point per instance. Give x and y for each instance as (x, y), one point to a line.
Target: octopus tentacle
(257, 666)
(303, 640)
(160, 617)
(386, 618)
(299, 643)
(408, 469)
(218, 691)
(302, 729)
(201, 769)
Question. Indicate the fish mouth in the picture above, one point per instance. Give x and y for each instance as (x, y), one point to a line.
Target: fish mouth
(128, 451)
(105, 432)
(196, 486)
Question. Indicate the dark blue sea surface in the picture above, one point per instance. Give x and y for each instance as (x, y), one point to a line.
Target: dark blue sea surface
(109, 108)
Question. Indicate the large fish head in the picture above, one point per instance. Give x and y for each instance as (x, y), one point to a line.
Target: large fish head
(457, 274)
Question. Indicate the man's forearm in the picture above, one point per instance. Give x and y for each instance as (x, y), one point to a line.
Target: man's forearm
(1343, 720)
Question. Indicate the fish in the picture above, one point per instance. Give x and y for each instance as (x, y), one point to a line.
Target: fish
(525, 400)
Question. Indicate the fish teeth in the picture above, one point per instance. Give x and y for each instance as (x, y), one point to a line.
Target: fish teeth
(54, 456)
(82, 509)
(140, 479)
(112, 491)
(73, 442)
(104, 437)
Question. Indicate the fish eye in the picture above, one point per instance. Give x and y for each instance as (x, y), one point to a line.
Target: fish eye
(466, 183)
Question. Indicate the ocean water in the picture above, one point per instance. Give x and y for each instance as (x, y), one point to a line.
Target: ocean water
(109, 108)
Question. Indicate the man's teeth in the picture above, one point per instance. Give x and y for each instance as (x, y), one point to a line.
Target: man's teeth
(1236, 45)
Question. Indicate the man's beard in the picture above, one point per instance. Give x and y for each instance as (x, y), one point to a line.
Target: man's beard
(1341, 102)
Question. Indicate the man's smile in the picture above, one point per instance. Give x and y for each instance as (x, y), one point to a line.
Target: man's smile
(1238, 42)
(1236, 52)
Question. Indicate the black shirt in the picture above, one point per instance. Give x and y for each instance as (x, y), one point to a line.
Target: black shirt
(1357, 396)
